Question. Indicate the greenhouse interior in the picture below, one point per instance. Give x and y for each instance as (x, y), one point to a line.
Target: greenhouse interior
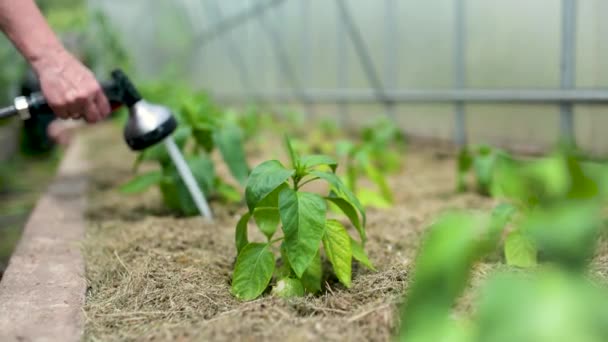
(304, 170)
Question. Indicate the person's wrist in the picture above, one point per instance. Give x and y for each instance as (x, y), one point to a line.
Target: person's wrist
(49, 59)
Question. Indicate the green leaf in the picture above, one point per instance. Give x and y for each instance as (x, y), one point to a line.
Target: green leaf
(599, 173)
(203, 171)
(501, 215)
(549, 176)
(341, 191)
(344, 148)
(176, 198)
(265, 178)
(484, 169)
(442, 270)
(175, 193)
(378, 178)
(520, 250)
(142, 182)
(370, 198)
(138, 161)
(303, 218)
(159, 152)
(229, 140)
(391, 161)
(227, 191)
(509, 181)
(253, 271)
(298, 146)
(288, 288)
(582, 186)
(360, 255)
(240, 235)
(204, 138)
(267, 219)
(312, 277)
(266, 213)
(293, 156)
(338, 249)
(567, 234)
(285, 269)
(314, 160)
(349, 210)
(548, 306)
(444, 263)
(352, 173)
(272, 199)
(465, 162)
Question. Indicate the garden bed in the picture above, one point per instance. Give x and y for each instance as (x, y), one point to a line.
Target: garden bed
(154, 275)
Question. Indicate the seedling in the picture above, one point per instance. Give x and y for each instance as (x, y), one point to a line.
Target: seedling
(528, 186)
(203, 127)
(380, 152)
(275, 197)
(482, 161)
(555, 303)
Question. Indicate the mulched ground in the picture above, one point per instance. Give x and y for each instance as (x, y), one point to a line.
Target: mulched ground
(154, 276)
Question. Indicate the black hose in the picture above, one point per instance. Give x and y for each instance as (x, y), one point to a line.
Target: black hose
(8, 112)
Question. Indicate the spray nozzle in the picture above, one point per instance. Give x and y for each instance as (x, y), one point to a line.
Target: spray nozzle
(121, 90)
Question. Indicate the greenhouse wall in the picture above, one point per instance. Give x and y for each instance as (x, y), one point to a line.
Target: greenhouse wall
(293, 46)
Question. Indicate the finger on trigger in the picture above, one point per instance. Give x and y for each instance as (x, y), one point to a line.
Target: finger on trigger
(103, 106)
(60, 111)
(91, 111)
(75, 104)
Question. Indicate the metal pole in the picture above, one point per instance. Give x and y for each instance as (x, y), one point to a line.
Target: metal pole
(192, 10)
(391, 52)
(305, 49)
(501, 96)
(234, 21)
(214, 10)
(342, 68)
(567, 69)
(362, 52)
(460, 124)
(284, 64)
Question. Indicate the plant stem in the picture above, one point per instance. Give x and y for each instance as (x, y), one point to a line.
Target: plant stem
(308, 181)
(275, 240)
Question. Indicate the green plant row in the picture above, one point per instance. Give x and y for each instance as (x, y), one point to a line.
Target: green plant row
(378, 152)
(527, 184)
(553, 214)
(203, 129)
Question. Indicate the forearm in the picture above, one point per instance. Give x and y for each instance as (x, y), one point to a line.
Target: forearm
(28, 30)
(69, 87)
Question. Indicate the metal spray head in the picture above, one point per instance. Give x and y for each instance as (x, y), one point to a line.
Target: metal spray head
(148, 123)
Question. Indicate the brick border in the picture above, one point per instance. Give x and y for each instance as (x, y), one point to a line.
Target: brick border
(43, 289)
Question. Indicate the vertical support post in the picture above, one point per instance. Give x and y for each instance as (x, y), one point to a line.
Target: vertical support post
(460, 124)
(567, 68)
(284, 64)
(391, 52)
(342, 68)
(362, 52)
(305, 49)
(277, 18)
(213, 10)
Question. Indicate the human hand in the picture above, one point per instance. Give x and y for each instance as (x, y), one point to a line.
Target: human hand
(62, 131)
(70, 88)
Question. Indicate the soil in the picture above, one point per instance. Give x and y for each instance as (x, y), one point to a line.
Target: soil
(155, 276)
